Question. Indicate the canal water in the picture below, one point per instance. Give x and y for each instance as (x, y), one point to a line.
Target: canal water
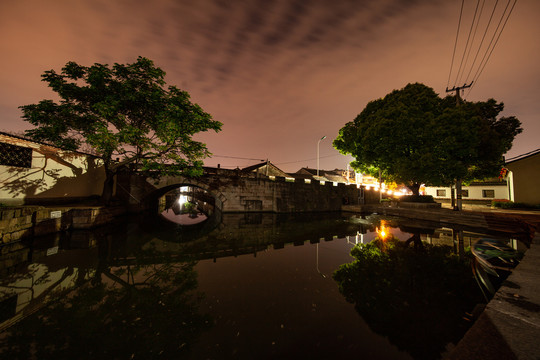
(238, 286)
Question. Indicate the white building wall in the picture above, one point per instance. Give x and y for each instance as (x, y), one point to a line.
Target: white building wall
(475, 192)
(53, 174)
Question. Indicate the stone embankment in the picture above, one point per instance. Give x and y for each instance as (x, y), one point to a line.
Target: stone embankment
(509, 327)
(521, 225)
(17, 223)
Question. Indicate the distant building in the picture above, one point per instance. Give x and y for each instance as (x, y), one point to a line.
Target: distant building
(336, 175)
(523, 178)
(518, 183)
(266, 169)
(477, 191)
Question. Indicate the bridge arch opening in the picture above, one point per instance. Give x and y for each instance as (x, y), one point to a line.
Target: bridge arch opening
(186, 204)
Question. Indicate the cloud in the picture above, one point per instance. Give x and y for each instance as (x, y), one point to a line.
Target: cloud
(277, 73)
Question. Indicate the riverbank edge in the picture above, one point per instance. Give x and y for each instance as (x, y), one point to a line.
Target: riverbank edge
(509, 326)
(18, 223)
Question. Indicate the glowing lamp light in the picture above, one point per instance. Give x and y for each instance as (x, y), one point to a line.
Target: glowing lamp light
(383, 231)
(182, 199)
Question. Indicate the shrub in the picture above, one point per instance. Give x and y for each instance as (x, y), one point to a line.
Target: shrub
(417, 198)
(507, 204)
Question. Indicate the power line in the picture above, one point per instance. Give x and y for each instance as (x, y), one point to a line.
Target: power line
(496, 41)
(476, 67)
(321, 157)
(455, 44)
(473, 37)
(467, 43)
(235, 157)
(482, 41)
(283, 163)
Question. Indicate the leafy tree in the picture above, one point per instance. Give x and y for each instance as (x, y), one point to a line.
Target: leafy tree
(413, 136)
(123, 112)
(417, 296)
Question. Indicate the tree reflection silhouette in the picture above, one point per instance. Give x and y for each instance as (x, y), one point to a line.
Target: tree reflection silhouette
(416, 296)
(134, 307)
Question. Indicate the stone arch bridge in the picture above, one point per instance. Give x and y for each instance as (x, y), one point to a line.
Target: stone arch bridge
(237, 191)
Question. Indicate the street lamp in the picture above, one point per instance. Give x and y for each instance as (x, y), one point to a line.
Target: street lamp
(318, 142)
(320, 273)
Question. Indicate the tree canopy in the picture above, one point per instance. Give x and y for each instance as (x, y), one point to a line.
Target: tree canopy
(417, 297)
(413, 136)
(123, 112)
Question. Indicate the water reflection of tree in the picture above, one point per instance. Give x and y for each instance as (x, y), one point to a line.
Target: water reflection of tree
(416, 296)
(133, 308)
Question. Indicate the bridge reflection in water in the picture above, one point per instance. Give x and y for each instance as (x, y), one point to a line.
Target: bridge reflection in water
(187, 205)
(139, 278)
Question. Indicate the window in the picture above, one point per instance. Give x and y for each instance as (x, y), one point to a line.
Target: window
(488, 193)
(464, 193)
(13, 155)
(441, 192)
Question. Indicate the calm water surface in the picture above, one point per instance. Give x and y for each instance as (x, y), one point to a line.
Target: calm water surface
(244, 286)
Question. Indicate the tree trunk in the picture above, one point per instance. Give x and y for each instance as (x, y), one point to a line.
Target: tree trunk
(458, 195)
(415, 188)
(108, 187)
(416, 240)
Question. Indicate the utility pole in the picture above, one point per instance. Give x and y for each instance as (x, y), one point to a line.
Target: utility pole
(457, 89)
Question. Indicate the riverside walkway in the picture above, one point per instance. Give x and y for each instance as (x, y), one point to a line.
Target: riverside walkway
(509, 326)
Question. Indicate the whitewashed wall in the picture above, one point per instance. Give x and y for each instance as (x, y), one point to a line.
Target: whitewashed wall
(54, 174)
(476, 192)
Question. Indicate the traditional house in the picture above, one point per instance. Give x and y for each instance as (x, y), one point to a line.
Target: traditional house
(32, 172)
(265, 168)
(482, 192)
(336, 175)
(518, 183)
(523, 176)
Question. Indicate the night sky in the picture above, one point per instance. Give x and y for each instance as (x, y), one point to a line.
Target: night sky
(280, 74)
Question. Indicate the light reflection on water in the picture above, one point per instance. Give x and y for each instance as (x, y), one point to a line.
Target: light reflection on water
(266, 282)
(183, 219)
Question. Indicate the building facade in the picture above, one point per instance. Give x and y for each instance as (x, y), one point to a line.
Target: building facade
(523, 177)
(480, 191)
(35, 173)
